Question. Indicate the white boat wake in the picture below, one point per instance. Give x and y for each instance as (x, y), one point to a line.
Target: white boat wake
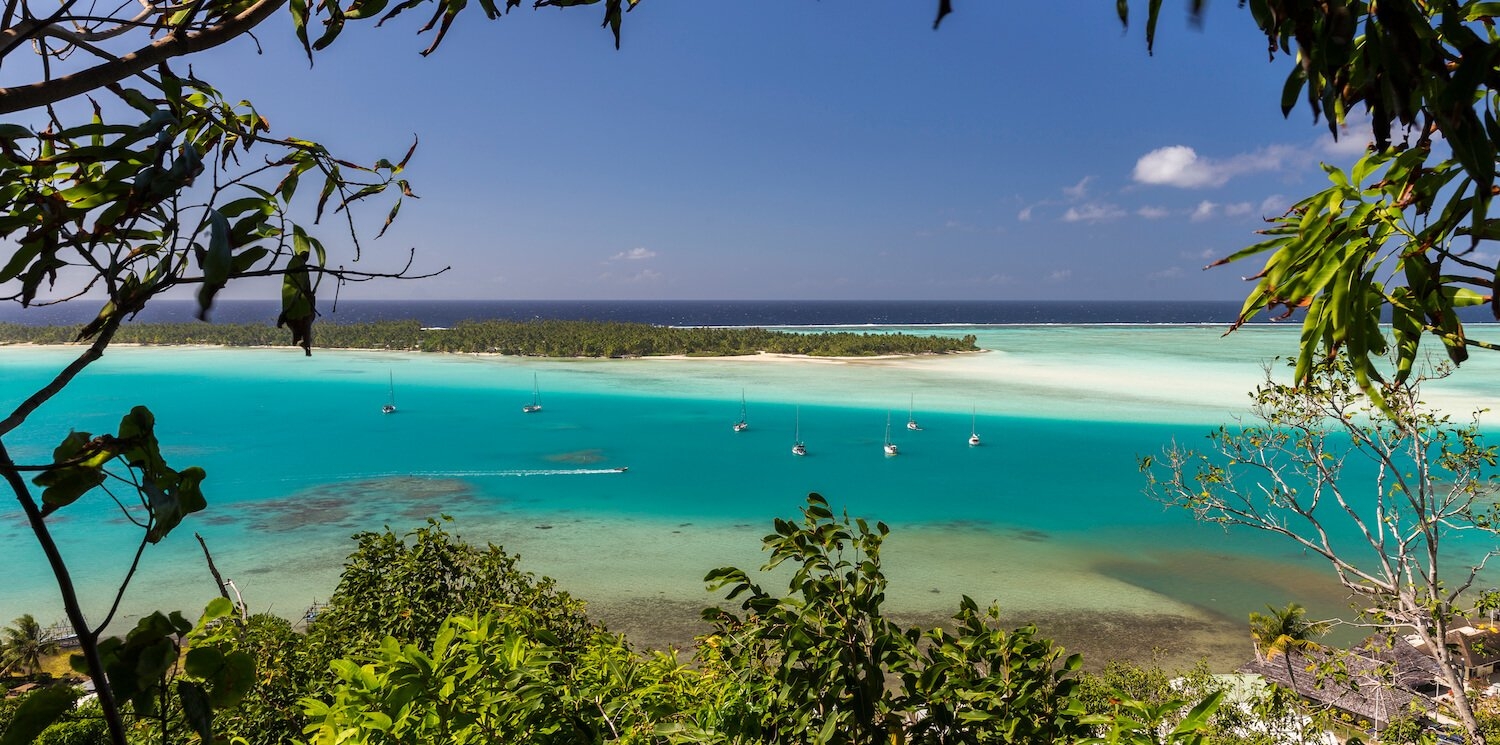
(454, 474)
(491, 473)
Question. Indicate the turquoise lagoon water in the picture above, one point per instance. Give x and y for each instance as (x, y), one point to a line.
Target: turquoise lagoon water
(1047, 517)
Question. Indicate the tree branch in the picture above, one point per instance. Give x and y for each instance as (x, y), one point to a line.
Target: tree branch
(90, 355)
(47, 92)
(87, 640)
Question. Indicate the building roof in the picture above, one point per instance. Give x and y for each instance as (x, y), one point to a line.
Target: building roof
(1372, 689)
(1478, 644)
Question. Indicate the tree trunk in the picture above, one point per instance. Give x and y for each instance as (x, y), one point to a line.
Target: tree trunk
(1291, 675)
(1461, 704)
(88, 643)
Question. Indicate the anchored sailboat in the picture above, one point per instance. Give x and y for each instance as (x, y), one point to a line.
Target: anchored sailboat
(741, 425)
(973, 429)
(911, 419)
(890, 447)
(390, 401)
(797, 447)
(536, 398)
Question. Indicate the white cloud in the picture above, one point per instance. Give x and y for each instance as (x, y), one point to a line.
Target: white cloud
(1177, 165)
(1171, 272)
(1355, 137)
(1152, 213)
(1275, 205)
(1059, 275)
(1093, 212)
(1078, 190)
(1180, 166)
(639, 253)
(1024, 215)
(1204, 211)
(1238, 209)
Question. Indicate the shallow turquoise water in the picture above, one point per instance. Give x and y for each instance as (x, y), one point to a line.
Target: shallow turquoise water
(1047, 516)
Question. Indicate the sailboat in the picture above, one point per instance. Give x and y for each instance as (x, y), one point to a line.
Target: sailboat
(742, 425)
(890, 447)
(536, 399)
(390, 402)
(911, 420)
(797, 447)
(973, 429)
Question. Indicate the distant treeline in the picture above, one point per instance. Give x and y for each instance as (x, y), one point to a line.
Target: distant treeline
(529, 338)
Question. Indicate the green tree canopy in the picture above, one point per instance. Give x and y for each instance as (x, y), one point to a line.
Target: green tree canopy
(24, 644)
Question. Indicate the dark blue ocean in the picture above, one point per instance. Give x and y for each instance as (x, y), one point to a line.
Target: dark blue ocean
(702, 312)
(683, 312)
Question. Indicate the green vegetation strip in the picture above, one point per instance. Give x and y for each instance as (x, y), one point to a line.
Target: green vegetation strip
(528, 338)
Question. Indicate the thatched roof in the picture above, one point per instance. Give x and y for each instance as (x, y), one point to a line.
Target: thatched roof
(1415, 667)
(1368, 688)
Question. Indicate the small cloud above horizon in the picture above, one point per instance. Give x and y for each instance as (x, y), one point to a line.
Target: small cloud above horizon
(1078, 190)
(639, 253)
(1093, 212)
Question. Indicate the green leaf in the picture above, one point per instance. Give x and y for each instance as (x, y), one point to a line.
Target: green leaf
(234, 679)
(216, 261)
(196, 709)
(141, 450)
(12, 132)
(300, 18)
(23, 256)
(36, 713)
(1479, 11)
(1153, 13)
(219, 607)
(1291, 90)
(366, 8)
(297, 302)
(246, 259)
(1197, 719)
(64, 486)
(172, 498)
(203, 662)
(85, 457)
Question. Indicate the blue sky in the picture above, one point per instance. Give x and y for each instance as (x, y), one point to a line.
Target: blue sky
(794, 149)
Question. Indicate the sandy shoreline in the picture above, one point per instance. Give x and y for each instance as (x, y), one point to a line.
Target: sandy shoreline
(758, 356)
(786, 357)
(1175, 642)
